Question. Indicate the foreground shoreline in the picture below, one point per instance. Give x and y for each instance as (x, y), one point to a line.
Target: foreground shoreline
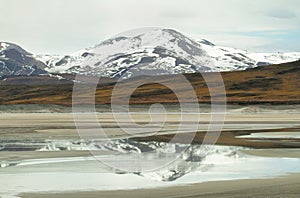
(282, 186)
(41, 128)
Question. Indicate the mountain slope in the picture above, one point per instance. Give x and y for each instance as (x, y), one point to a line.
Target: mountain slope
(229, 59)
(276, 84)
(16, 61)
(148, 51)
(155, 51)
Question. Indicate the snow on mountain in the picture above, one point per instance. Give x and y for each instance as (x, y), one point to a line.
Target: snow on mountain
(3, 46)
(63, 63)
(155, 51)
(275, 58)
(16, 61)
(228, 59)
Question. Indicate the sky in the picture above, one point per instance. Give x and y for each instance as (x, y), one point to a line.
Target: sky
(66, 26)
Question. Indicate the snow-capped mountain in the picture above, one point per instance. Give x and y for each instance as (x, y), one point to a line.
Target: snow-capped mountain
(275, 58)
(16, 61)
(146, 51)
(155, 51)
(158, 51)
(228, 59)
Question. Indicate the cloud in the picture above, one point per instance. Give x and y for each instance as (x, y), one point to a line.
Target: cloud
(281, 13)
(58, 26)
(178, 14)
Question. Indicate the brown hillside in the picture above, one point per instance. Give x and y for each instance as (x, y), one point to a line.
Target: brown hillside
(277, 84)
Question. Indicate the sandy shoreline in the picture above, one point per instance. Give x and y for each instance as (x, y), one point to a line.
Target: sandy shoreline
(62, 125)
(283, 186)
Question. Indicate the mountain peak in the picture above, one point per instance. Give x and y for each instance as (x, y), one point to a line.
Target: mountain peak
(14, 60)
(145, 51)
(4, 46)
(157, 51)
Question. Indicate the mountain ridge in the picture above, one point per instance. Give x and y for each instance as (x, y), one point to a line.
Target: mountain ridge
(149, 51)
(219, 58)
(14, 60)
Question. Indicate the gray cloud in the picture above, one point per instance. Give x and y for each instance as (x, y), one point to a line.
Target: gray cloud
(281, 13)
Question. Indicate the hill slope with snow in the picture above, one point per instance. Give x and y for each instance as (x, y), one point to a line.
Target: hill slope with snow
(158, 51)
(229, 59)
(15, 61)
(146, 51)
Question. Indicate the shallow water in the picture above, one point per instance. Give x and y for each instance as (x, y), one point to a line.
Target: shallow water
(88, 174)
(54, 133)
(291, 135)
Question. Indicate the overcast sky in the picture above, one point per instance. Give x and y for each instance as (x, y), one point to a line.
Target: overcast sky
(65, 26)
